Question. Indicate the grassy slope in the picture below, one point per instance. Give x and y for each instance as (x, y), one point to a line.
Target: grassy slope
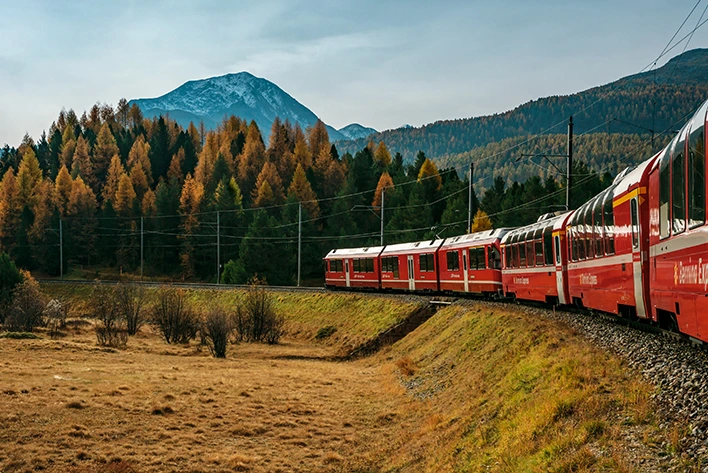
(356, 317)
(490, 388)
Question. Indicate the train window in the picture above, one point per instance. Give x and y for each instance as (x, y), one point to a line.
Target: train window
(530, 254)
(494, 257)
(580, 235)
(357, 266)
(609, 219)
(394, 259)
(598, 228)
(453, 260)
(507, 256)
(548, 245)
(369, 265)
(326, 266)
(427, 262)
(664, 194)
(385, 264)
(697, 174)
(635, 222)
(515, 256)
(538, 245)
(589, 243)
(477, 258)
(558, 249)
(678, 188)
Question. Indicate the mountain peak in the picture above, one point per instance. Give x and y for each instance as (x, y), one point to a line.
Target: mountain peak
(241, 94)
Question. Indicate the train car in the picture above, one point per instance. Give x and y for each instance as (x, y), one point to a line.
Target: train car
(353, 268)
(609, 240)
(411, 266)
(535, 261)
(678, 235)
(472, 263)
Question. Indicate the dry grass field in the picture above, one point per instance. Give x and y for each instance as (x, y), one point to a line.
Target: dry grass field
(473, 389)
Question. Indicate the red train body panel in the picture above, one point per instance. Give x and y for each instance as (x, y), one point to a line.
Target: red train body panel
(678, 236)
(411, 266)
(471, 263)
(608, 239)
(535, 261)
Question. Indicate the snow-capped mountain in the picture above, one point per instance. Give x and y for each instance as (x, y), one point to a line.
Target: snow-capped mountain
(242, 94)
(355, 131)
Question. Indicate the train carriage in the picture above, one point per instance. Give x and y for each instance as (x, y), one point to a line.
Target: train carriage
(534, 261)
(353, 267)
(472, 263)
(678, 256)
(608, 239)
(411, 266)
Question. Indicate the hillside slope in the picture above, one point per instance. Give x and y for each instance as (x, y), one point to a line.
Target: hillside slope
(651, 100)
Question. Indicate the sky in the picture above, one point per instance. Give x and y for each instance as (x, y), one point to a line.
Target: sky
(381, 63)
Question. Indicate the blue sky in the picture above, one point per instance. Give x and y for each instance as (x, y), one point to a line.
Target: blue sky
(378, 63)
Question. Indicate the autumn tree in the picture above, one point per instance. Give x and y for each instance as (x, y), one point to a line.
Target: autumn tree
(82, 166)
(252, 160)
(382, 157)
(385, 182)
(140, 154)
(63, 186)
(301, 190)
(103, 152)
(190, 204)
(481, 222)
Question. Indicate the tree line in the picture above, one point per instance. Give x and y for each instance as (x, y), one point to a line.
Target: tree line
(111, 182)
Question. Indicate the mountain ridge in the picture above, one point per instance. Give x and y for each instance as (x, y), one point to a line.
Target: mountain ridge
(241, 94)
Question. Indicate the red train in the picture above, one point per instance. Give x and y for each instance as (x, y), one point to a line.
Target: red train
(639, 249)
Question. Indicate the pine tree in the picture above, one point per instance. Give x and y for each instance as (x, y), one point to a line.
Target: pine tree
(269, 174)
(140, 153)
(103, 152)
(81, 229)
(63, 186)
(125, 197)
(82, 165)
(110, 188)
(385, 182)
(302, 192)
(481, 222)
(382, 156)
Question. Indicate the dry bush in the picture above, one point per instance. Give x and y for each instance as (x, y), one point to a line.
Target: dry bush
(26, 312)
(131, 300)
(173, 316)
(110, 329)
(55, 316)
(217, 329)
(256, 318)
(406, 366)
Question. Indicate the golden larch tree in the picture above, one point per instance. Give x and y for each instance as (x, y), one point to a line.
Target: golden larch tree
(63, 185)
(301, 190)
(318, 138)
(269, 174)
(110, 188)
(481, 222)
(140, 153)
(386, 182)
(382, 156)
(81, 164)
(429, 172)
(103, 151)
(125, 196)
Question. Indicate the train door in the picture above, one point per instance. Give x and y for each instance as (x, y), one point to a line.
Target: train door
(411, 274)
(559, 270)
(346, 271)
(637, 260)
(464, 270)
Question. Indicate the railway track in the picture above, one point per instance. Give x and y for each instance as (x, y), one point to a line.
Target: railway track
(212, 286)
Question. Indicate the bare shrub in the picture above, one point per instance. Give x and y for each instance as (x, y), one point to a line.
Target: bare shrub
(55, 317)
(131, 300)
(172, 315)
(217, 330)
(256, 319)
(26, 311)
(110, 328)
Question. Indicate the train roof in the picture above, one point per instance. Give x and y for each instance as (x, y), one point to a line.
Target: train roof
(425, 246)
(632, 177)
(477, 238)
(366, 252)
(555, 222)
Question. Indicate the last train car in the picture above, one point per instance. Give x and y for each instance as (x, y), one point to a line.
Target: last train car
(535, 261)
(472, 263)
(353, 267)
(678, 254)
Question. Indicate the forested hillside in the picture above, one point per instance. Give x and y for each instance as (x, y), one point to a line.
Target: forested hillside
(655, 100)
(97, 186)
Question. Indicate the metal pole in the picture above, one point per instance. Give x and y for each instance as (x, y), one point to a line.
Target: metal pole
(61, 251)
(141, 247)
(469, 204)
(569, 182)
(383, 196)
(218, 247)
(299, 241)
